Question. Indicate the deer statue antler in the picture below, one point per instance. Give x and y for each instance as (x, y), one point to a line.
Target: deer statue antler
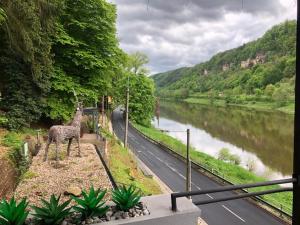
(74, 92)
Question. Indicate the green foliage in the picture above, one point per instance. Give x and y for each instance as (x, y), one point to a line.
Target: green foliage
(52, 213)
(136, 63)
(12, 213)
(87, 55)
(275, 65)
(79, 36)
(224, 154)
(16, 156)
(126, 198)
(141, 97)
(91, 205)
(2, 16)
(25, 59)
(3, 121)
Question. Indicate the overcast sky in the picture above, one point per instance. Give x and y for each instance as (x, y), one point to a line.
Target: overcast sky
(177, 33)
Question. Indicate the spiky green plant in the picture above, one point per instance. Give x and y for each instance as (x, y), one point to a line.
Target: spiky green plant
(126, 198)
(12, 213)
(91, 204)
(52, 213)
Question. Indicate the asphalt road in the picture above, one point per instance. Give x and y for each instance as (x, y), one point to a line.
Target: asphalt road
(172, 172)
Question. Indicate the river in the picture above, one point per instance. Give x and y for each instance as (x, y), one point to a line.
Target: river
(262, 140)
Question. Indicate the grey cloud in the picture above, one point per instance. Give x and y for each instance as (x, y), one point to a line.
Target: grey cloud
(185, 32)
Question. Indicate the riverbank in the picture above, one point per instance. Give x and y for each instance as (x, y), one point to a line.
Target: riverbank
(289, 108)
(233, 173)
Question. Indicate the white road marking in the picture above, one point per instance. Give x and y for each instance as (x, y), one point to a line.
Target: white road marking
(208, 195)
(175, 171)
(156, 157)
(237, 216)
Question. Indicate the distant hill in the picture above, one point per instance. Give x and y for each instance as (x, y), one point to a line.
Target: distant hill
(264, 68)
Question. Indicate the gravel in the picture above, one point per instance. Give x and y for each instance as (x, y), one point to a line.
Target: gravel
(44, 179)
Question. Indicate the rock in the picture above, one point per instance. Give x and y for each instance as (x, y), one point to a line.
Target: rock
(145, 212)
(109, 213)
(89, 221)
(125, 215)
(64, 223)
(97, 220)
(112, 218)
(73, 190)
(117, 215)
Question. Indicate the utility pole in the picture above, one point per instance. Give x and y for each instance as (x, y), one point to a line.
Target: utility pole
(188, 162)
(126, 111)
(296, 172)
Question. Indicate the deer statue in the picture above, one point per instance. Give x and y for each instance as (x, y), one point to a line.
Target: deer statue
(59, 133)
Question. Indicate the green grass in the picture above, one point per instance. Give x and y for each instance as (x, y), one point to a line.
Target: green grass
(124, 167)
(233, 173)
(266, 106)
(14, 141)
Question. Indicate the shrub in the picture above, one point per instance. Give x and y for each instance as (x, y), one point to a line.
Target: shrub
(126, 198)
(12, 213)
(224, 154)
(235, 159)
(91, 205)
(52, 213)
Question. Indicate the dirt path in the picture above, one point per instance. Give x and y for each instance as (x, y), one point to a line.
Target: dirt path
(43, 179)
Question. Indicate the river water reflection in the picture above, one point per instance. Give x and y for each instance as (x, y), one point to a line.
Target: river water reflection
(263, 140)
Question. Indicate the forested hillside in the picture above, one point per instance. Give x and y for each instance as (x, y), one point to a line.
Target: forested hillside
(50, 48)
(262, 70)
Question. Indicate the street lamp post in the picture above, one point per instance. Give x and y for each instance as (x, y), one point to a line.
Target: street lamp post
(126, 116)
(188, 160)
(296, 169)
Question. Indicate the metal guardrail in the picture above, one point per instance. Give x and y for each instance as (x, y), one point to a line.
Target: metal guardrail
(110, 176)
(212, 173)
(174, 196)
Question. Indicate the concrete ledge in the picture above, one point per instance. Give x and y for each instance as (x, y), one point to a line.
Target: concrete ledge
(161, 213)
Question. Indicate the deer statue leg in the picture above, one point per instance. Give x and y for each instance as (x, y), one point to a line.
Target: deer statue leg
(46, 149)
(69, 145)
(78, 141)
(56, 154)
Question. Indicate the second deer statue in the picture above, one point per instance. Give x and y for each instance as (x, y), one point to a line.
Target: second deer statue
(59, 133)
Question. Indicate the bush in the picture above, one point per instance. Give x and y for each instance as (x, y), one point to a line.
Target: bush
(235, 159)
(224, 154)
(12, 213)
(126, 198)
(52, 213)
(91, 205)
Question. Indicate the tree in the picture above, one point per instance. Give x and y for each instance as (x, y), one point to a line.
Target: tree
(136, 63)
(87, 55)
(282, 94)
(141, 97)
(25, 59)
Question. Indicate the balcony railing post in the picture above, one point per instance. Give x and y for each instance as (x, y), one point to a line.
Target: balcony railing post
(173, 203)
(296, 172)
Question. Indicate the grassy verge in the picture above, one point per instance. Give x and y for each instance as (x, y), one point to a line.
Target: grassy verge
(233, 173)
(124, 168)
(13, 141)
(267, 106)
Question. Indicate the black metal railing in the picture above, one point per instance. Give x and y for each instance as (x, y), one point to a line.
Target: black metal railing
(174, 196)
